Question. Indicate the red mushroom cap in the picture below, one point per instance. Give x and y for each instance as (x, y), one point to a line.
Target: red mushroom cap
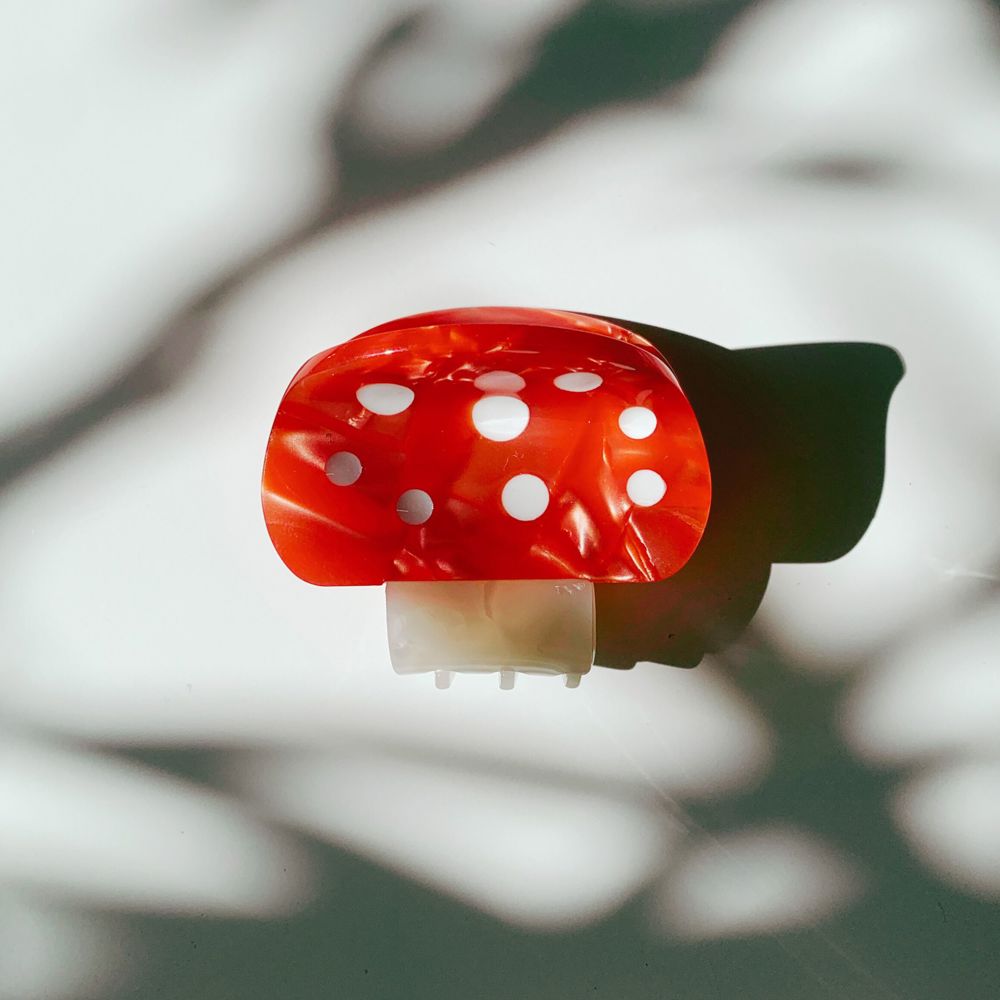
(486, 444)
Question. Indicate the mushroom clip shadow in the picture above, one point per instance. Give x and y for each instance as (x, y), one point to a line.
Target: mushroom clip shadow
(796, 443)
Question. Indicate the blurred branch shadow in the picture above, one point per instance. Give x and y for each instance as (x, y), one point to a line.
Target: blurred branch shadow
(603, 53)
(796, 441)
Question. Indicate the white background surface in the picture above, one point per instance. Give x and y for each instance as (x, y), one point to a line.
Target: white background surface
(186, 726)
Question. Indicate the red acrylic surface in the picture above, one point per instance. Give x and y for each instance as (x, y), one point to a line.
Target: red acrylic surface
(591, 529)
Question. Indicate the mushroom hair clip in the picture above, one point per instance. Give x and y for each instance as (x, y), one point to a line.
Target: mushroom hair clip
(489, 466)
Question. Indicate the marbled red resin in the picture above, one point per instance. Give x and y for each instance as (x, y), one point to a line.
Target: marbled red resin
(356, 496)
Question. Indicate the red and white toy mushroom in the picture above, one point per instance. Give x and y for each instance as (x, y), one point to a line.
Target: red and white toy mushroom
(489, 465)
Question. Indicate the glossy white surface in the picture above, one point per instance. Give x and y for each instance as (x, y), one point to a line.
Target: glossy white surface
(500, 418)
(637, 422)
(343, 468)
(578, 381)
(525, 497)
(415, 507)
(646, 487)
(385, 398)
(499, 382)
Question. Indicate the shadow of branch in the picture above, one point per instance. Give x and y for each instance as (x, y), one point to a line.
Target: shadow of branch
(600, 55)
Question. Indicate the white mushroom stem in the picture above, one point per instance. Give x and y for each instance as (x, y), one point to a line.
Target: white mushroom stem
(489, 626)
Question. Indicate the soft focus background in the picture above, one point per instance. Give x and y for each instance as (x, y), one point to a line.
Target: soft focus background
(211, 783)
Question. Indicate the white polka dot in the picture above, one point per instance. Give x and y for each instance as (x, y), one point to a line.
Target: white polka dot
(385, 398)
(499, 382)
(637, 422)
(343, 468)
(525, 497)
(578, 381)
(500, 418)
(414, 507)
(646, 487)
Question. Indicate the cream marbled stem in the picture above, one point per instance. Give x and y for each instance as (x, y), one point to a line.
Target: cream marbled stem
(490, 626)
